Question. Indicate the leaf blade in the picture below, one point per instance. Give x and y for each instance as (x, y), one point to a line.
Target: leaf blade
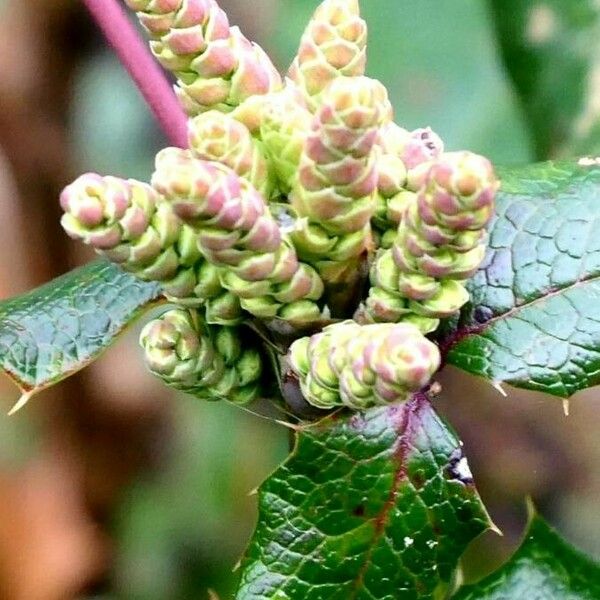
(367, 506)
(57, 329)
(534, 319)
(544, 566)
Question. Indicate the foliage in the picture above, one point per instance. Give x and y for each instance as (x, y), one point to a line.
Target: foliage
(533, 320)
(545, 566)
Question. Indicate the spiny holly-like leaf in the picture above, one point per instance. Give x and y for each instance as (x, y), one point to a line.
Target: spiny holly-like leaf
(549, 46)
(534, 321)
(57, 329)
(545, 567)
(369, 506)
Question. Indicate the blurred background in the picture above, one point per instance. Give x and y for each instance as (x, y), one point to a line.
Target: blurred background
(111, 487)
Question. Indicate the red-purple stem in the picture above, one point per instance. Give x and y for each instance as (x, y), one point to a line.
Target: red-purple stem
(133, 52)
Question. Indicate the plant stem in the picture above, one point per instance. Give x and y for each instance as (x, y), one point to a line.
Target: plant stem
(141, 66)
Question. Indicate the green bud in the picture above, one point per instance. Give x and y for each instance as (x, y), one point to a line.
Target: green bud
(218, 137)
(216, 66)
(205, 361)
(284, 127)
(363, 366)
(335, 189)
(333, 45)
(236, 233)
(439, 243)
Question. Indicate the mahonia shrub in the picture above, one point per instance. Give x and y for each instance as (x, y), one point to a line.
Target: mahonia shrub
(314, 252)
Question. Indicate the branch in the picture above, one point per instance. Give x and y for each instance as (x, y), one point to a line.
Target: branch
(141, 66)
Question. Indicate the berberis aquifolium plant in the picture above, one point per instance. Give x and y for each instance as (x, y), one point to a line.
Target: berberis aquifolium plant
(315, 253)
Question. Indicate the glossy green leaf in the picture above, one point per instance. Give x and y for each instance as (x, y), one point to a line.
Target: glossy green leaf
(534, 321)
(368, 506)
(545, 567)
(57, 329)
(551, 51)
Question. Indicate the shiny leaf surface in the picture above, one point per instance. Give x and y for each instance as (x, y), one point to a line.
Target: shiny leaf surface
(373, 505)
(57, 329)
(544, 567)
(534, 321)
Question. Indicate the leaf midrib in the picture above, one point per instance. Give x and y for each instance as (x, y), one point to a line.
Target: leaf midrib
(399, 456)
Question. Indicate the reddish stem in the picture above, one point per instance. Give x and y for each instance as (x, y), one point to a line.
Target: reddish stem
(141, 66)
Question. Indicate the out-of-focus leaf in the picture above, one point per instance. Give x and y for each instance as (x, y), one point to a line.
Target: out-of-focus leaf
(534, 320)
(552, 52)
(57, 329)
(545, 567)
(372, 505)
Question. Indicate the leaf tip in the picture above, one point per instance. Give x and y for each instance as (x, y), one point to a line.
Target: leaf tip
(497, 385)
(21, 402)
(531, 509)
(288, 425)
(494, 528)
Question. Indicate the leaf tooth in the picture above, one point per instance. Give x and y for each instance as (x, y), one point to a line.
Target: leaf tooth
(497, 385)
(21, 402)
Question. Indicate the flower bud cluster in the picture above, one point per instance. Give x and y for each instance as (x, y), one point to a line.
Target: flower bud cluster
(215, 65)
(359, 366)
(440, 243)
(289, 193)
(208, 362)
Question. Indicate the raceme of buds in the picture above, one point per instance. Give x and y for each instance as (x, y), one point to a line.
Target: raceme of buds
(207, 362)
(284, 127)
(334, 192)
(439, 244)
(216, 66)
(290, 192)
(333, 45)
(363, 366)
(403, 157)
(235, 230)
(217, 137)
(125, 221)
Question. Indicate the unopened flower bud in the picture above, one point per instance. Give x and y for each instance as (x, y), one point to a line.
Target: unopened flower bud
(206, 361)
(363, 366)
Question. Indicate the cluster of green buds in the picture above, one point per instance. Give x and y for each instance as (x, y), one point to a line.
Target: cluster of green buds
(289, 192)
(236, 232)
(402, 157)
(361, 366)
(129, 223)
(216, 66)
(334, 191)
(208, 362)
(439, 244)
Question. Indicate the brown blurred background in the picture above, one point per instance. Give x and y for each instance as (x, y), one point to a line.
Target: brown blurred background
(111, 487)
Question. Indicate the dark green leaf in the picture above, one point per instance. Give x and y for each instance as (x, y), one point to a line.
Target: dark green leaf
(535, 315)
(551, 51)
(55, 330)
(368, 506)
(543, 568)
